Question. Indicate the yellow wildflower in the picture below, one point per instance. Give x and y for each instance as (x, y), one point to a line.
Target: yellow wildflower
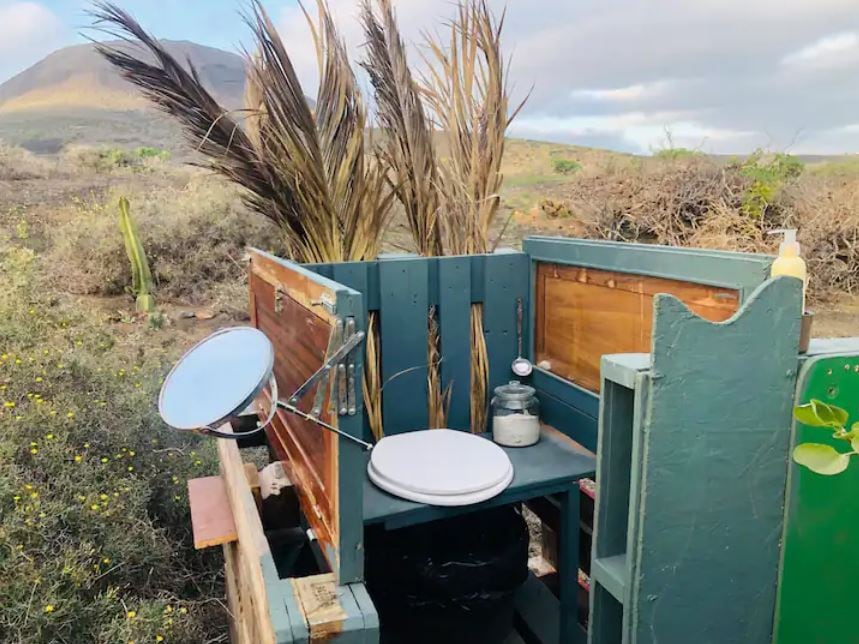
(71, 414)
(104, 459)
(159, 638)
(78, 458)
(131, 614)
(8, 404)
(49, 608)
(34, 451)
(39, 379)
(183, 610)
(49, 437)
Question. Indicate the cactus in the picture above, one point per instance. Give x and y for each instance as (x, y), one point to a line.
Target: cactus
(141, 277)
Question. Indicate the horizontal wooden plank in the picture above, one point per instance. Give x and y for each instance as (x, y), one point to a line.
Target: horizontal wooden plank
(211, 515)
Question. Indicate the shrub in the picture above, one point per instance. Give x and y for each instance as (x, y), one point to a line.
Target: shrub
(17, 164)
(768, 175)
(674, 154)
(701, 202)
(555, 209)
(105, 160)
(95, 543)
(194, 237)
(566, 166)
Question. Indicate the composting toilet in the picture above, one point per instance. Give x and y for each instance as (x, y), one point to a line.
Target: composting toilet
(440, 467)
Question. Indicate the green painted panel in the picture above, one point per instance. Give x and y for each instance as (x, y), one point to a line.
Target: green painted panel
(820, 561)
(744, 271)
(506, 279)
(715, 447)
(454, 316)
(404, 306)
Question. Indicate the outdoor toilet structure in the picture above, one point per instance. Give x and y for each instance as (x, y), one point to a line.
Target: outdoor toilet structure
(668, 374)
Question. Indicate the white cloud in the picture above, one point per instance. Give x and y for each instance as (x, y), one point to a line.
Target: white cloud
(835, 50)
(634, 92)
(28, 30)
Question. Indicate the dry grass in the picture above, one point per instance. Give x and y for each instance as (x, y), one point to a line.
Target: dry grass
(195, 237)
(699, 202)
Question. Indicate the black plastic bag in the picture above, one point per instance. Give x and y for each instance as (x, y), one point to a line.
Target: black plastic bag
(448, 581)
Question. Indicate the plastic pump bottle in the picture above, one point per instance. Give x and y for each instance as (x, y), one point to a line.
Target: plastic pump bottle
(789, 262)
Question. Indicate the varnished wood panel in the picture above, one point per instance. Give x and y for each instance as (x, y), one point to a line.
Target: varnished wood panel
(583, 314)
(299, 331)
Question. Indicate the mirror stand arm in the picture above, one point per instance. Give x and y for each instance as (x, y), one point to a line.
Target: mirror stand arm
(313, 419)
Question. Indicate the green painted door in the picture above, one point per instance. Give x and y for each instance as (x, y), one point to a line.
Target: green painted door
(819, 590)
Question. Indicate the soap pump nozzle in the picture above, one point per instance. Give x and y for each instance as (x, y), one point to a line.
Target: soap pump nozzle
(789, 247)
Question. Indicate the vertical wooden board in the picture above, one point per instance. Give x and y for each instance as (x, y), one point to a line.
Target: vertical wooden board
(351, 465)
(715, 450)
(454, 314)
(404, 308)
(820, 565)
(506, 277)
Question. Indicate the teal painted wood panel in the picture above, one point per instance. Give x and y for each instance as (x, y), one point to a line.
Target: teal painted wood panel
(820, 565)
(505, 280)
(548, 467)
(715, 448)
(404, 307)
(454, 316)
(743, 271)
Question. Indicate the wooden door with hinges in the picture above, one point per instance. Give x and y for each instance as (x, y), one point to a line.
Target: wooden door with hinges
(305, 316)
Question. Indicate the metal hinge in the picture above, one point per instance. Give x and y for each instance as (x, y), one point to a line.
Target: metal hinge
(326, 303)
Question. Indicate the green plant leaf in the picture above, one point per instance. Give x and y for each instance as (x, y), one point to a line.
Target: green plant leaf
(822, 459)
(818, 414)
(854, 443)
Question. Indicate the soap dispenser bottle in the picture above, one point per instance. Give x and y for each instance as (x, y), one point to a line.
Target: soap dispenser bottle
(789, 262)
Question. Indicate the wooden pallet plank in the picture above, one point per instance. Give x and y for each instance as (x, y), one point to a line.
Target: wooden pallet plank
(454, 315)
(317, 596)
(211, 516)
(404, 302)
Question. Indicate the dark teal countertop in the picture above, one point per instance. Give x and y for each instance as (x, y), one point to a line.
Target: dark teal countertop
(551, 466)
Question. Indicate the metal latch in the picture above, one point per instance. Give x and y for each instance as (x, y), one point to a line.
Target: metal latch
(326, 303)
(278, 299)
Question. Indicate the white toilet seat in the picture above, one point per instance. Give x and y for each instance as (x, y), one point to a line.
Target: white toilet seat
(440, 467)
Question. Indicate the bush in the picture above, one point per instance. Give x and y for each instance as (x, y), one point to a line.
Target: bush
(105, 160)
(702, 202)
(194, 237)
(674, 154)
(95, 541)
(17, 164)
(566, 166)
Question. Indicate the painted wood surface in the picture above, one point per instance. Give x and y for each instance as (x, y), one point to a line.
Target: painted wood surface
(402, 289)
(820, 566)
(211, 516)
(704, 542)
(548, 467)
(296, 308)
(742, 271)
(584, 313)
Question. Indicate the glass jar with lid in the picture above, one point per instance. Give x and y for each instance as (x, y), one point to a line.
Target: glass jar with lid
(515, 415)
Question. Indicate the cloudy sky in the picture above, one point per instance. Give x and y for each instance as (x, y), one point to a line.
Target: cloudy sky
(722, 76)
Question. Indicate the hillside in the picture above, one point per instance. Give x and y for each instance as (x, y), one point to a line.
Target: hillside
(77, 77)
(74, 96)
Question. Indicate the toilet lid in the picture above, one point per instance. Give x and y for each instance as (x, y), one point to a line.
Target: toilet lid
(440, 463)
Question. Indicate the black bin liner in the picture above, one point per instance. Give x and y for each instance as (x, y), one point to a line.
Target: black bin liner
(448, 581)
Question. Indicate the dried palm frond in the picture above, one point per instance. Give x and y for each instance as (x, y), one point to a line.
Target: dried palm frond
(407, 146)
(466, 87)
(309, 173)
(408, 153)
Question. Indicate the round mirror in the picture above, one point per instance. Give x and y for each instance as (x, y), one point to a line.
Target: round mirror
(217, 379)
